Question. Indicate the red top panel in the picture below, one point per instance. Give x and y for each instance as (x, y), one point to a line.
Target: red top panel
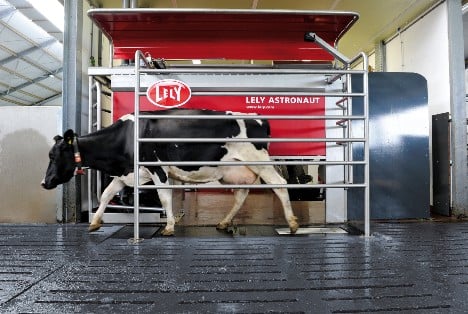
(221, 34)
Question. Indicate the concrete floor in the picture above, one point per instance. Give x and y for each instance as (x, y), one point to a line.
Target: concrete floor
(404, 267)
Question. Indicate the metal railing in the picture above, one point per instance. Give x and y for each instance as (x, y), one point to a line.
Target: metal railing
(347, 161)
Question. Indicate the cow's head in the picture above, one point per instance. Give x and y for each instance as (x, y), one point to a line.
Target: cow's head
(62, 164)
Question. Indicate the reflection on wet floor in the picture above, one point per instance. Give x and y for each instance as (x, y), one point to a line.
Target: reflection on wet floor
(402, 267)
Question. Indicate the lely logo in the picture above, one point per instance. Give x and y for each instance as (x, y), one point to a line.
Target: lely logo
(168, 93)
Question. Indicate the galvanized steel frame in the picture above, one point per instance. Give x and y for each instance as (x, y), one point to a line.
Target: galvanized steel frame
(139, 69)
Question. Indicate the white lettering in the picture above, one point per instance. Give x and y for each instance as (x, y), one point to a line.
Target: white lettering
(293, 100)
(165, 92)
(254, 100)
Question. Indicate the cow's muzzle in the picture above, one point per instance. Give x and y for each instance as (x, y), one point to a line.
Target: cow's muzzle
(47, 186)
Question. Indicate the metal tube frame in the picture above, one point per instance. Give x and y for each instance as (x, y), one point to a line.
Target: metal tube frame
(140, 59)
(94, 85)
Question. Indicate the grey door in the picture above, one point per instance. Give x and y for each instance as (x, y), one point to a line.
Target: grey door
(441, 164)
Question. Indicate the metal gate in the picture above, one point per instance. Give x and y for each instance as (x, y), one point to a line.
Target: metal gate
(344, 101)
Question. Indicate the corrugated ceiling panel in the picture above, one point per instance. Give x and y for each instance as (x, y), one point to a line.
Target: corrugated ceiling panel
(28, 54)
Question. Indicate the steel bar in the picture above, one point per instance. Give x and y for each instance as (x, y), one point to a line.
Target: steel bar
(251, 186)
(326, 46)
(243, 70)
(249, 140)
(136, 149)
(366, 148)
(91, 86)
(248, 163)
(251, 117)
(270, 93)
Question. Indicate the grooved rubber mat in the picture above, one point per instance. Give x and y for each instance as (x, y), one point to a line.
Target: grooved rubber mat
(406, 268)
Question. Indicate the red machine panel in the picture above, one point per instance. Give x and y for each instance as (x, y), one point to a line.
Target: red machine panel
(267, 105)
(221, 34)
(231, 34)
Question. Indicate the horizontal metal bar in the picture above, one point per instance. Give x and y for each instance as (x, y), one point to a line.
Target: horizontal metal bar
(250, 117)
(231, 70)
(270, 93)
(250, 140)
(252, 186)
(279, 93)
(248, 163)
(103, 71)
(153, 209)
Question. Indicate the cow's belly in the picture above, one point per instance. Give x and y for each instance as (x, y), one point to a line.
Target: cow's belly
(202, 175)
(144, 177)
(224, 174)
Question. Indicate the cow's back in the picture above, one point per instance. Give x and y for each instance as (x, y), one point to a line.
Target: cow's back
(196, 128)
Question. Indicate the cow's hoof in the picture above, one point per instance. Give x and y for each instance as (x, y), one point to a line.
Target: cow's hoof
(293, 225)
(167, 232)
(222, 225)
(94, 227)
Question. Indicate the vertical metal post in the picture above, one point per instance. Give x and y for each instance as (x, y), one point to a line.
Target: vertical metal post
(458, 139)
(90, 129)
(72, 80)
(98, 127)
(365, 81)
(349, 112)
(136, 153)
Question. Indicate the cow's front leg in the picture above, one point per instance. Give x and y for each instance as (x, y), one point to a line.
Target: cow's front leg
(114, 187)
(239, 198)
(165, 196)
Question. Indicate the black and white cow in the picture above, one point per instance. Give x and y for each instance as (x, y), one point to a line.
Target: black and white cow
(110, 150)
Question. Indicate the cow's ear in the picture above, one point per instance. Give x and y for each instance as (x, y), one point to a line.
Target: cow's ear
(68, 136)
(57, 138)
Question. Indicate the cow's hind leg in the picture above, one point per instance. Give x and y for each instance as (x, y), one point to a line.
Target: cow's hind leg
(115, 186)
(271, 176)
(165, 196)
(239, 198)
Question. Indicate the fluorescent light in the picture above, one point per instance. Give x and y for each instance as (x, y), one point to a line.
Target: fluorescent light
(52, 10)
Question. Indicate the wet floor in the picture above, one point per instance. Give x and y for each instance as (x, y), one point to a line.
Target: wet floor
(403, 267)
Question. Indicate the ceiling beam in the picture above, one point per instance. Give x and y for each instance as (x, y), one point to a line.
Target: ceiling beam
(29, 40)
(21, 54)
(11, 101)
(46, 100)
(30, 82)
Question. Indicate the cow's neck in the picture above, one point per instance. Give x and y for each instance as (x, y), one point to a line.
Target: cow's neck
(108, 150)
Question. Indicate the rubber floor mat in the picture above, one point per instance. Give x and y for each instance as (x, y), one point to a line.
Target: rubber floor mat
(146, 232)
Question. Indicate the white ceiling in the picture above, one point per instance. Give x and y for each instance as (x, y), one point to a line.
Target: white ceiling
(31, 51)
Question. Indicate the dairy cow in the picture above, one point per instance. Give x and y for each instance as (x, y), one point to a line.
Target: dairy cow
(110, 150)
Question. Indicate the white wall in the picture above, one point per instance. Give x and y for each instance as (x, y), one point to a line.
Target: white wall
(26, 135)
(423, 48)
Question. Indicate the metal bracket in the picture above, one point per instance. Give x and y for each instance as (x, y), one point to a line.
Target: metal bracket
(313, 37)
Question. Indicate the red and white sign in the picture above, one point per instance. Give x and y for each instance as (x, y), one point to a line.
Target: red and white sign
(262, 105)
(168, 93)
